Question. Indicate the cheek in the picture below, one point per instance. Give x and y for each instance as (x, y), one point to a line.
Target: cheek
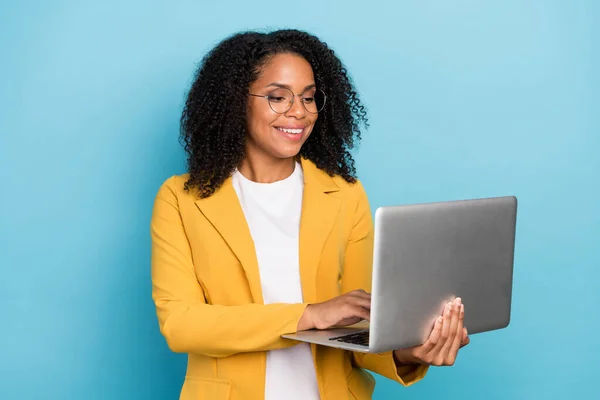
(259, 122)
(313, 121)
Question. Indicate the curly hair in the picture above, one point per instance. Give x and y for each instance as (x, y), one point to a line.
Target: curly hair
(213, 122)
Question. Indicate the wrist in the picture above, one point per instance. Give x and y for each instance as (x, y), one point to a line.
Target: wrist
(403, 357)
(306, 320)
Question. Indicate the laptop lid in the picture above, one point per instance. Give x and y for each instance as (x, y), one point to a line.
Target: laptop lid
(427, 254)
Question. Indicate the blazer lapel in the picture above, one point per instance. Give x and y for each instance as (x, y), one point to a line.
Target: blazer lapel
(225, 213)
(319, 213)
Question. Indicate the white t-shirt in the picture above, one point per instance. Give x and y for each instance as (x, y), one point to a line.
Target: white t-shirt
(272, 211)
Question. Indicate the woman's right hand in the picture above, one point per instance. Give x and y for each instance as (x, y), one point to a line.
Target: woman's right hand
(347, 309)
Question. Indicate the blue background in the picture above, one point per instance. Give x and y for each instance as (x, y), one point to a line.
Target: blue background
(466, 99)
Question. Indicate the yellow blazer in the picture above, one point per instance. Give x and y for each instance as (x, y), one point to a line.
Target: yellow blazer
(207, 291)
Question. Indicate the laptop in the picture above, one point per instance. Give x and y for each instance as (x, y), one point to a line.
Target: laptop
(424, 256)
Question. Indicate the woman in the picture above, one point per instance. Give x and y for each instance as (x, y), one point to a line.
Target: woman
(270, 232)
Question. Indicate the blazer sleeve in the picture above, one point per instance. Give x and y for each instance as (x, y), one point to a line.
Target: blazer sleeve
(187, 322)
(358, 263)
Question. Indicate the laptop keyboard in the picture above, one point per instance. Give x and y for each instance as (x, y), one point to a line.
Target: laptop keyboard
(359, 338)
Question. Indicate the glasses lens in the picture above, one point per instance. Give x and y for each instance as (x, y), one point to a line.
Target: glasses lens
(314, 100)
(280, 100)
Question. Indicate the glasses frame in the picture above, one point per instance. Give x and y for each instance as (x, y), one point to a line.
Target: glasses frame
(291, 104)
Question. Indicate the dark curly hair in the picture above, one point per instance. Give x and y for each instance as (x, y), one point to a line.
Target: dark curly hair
(213, 122)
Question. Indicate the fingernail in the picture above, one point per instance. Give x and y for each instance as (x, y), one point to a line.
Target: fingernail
(457, 301)
(462, 308)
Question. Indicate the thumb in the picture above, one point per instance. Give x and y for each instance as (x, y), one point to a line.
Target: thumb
(465, 337)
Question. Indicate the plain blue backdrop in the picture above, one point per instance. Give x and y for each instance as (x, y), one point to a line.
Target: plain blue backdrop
(466, 99)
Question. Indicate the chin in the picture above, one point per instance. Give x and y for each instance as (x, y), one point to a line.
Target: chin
(287, 153)
(288, 150)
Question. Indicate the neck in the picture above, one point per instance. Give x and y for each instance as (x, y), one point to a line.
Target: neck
(263, 170)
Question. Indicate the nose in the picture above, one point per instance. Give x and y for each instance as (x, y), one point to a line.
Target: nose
(297, 110)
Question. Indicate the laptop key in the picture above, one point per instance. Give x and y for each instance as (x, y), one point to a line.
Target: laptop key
(359, 338)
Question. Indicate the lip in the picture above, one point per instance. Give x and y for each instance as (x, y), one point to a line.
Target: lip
(293, 137)
(290, 126)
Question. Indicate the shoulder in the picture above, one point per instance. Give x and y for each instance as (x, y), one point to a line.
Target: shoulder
(356, 208)
(173, 188)
(336, 183)
(352, 194)
(352, 188)
(356, 196)
(351, 191)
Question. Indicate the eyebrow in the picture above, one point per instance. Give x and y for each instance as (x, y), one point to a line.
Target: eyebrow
(281, 85)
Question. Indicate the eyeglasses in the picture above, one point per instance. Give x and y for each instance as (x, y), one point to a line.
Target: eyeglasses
(281, 100)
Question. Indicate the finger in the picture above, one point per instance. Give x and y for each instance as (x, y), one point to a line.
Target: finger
(355, 308)
(451, 357)
(466, 340)
(361, 302)
(445, 350)
(360, 293)
(434, 336)
(434, 352)
(361, 312)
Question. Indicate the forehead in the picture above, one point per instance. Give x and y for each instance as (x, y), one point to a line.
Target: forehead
(285, 69)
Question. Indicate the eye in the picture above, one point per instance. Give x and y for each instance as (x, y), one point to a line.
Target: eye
(280, 96)
(277, 99)
(308, 100)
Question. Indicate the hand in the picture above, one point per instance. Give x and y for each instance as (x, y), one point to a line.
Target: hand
(343, 310)
(446, 338)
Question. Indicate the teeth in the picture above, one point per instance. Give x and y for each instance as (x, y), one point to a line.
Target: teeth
(294, 131)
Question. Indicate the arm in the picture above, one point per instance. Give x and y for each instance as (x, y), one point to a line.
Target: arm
(358, 263)
(187, 322)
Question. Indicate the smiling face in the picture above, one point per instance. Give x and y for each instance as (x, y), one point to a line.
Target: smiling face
(273, 136)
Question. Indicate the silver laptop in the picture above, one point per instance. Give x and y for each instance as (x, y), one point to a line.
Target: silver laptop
(424, 256)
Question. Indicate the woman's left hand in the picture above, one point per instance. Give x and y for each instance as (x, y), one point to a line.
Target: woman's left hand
(446, 338)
